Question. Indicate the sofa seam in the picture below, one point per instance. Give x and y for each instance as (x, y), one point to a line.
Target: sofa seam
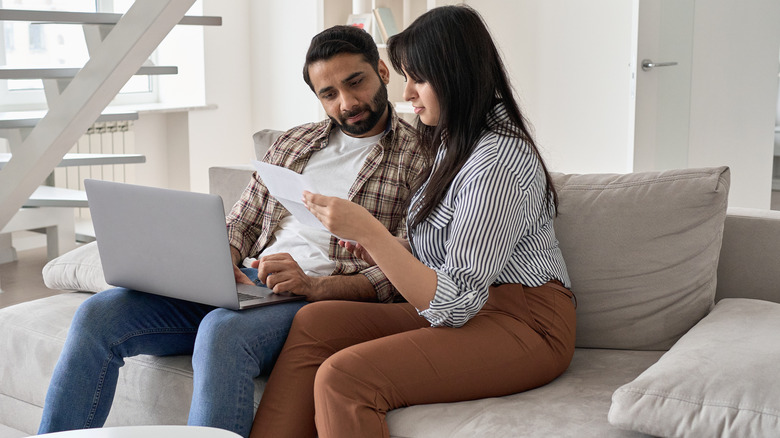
(619, 185)
(701, 401)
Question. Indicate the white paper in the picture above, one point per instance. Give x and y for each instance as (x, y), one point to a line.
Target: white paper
(287, 187)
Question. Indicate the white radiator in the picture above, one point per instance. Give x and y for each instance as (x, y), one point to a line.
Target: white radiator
(100, 138)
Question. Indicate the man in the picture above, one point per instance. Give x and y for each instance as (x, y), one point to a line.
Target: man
(363, 151)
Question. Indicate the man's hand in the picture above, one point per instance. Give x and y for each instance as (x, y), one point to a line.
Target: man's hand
(241, 277)
(283, 274)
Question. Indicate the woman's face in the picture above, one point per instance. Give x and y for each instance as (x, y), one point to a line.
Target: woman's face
(423, 99)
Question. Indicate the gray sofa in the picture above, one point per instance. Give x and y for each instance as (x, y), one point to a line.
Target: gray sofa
(678, 322)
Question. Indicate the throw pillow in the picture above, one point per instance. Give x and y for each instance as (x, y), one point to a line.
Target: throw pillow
(719, 380)
(642, 252)
(79, 269)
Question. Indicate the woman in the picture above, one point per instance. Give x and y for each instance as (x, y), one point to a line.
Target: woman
(488, 312)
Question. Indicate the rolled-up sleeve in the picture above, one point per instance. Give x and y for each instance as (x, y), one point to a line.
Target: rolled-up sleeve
(245, 218)
(488, 218)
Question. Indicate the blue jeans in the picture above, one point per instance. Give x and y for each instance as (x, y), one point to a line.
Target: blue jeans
(229, 349)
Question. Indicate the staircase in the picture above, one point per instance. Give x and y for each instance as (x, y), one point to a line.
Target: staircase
(119, 47)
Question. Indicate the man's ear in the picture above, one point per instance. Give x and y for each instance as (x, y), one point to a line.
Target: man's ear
(384, 72)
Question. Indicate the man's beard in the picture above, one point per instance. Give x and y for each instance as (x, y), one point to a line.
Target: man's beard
(375, 110)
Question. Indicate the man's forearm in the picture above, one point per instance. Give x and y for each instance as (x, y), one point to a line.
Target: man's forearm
(343, 287)
(236, 256)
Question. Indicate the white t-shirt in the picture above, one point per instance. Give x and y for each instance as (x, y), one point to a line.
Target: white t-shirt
(332, 171)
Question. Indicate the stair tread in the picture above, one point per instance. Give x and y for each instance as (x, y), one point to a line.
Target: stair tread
(67, 17)
(28, 119)
(69, 72)
(47, 196)
(88, 159)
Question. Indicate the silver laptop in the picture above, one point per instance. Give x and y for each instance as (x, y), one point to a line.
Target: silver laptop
(170, 243)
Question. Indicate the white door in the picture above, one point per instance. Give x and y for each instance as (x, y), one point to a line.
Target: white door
(717, 106)
(577, 68)
(663, 84)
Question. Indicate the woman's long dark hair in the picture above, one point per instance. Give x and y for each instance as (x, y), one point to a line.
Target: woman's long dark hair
(451, 49)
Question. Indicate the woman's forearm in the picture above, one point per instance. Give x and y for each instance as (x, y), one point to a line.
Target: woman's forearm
(415, 281)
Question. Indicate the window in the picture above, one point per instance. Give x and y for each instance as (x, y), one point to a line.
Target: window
(30, 45)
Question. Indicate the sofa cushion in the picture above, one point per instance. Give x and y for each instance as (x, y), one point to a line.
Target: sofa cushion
(263, 140)
(150, 390)
(720, 379)
(229, 183)
(76, 270)
(642, 252)
(574, 405)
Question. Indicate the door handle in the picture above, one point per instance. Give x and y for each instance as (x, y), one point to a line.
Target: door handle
(648, 64)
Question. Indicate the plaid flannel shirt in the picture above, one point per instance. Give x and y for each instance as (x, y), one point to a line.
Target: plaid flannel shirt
(382, 187)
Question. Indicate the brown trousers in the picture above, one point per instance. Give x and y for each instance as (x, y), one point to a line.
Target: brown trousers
(346, 364)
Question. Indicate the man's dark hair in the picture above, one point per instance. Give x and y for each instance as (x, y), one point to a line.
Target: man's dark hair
(337, 40)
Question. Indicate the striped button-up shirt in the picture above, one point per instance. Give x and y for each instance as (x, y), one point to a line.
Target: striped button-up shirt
(382, 187)
(493, 226)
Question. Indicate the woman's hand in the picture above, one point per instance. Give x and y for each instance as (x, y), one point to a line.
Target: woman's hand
(349, 221)
(357, 250)
(341, 217)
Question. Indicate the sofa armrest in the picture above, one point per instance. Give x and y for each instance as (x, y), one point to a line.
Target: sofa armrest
(229, 182)
(748, 266)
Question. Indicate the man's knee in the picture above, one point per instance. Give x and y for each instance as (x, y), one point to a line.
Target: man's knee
(215, 331)
(100, 309)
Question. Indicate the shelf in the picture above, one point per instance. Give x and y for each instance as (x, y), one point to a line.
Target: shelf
(28, 119)
(70, 72)
(64, 17)
(46, 196)
(70, 160)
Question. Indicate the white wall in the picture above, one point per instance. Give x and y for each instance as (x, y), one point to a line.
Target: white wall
(570, 63)
(223, 136)
(280, 33)
(734, 94)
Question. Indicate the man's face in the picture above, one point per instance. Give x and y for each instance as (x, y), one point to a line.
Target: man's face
(353, 95)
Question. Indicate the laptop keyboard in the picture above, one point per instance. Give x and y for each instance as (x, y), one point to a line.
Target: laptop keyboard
(250, 292)
(245, 297)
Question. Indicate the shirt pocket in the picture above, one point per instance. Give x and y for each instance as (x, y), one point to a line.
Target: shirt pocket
(441, 216)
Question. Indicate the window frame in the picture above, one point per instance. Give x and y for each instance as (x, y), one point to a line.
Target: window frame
(35, 99)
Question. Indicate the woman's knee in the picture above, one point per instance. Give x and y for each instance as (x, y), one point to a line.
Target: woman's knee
(318, 316)
(340, 373)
